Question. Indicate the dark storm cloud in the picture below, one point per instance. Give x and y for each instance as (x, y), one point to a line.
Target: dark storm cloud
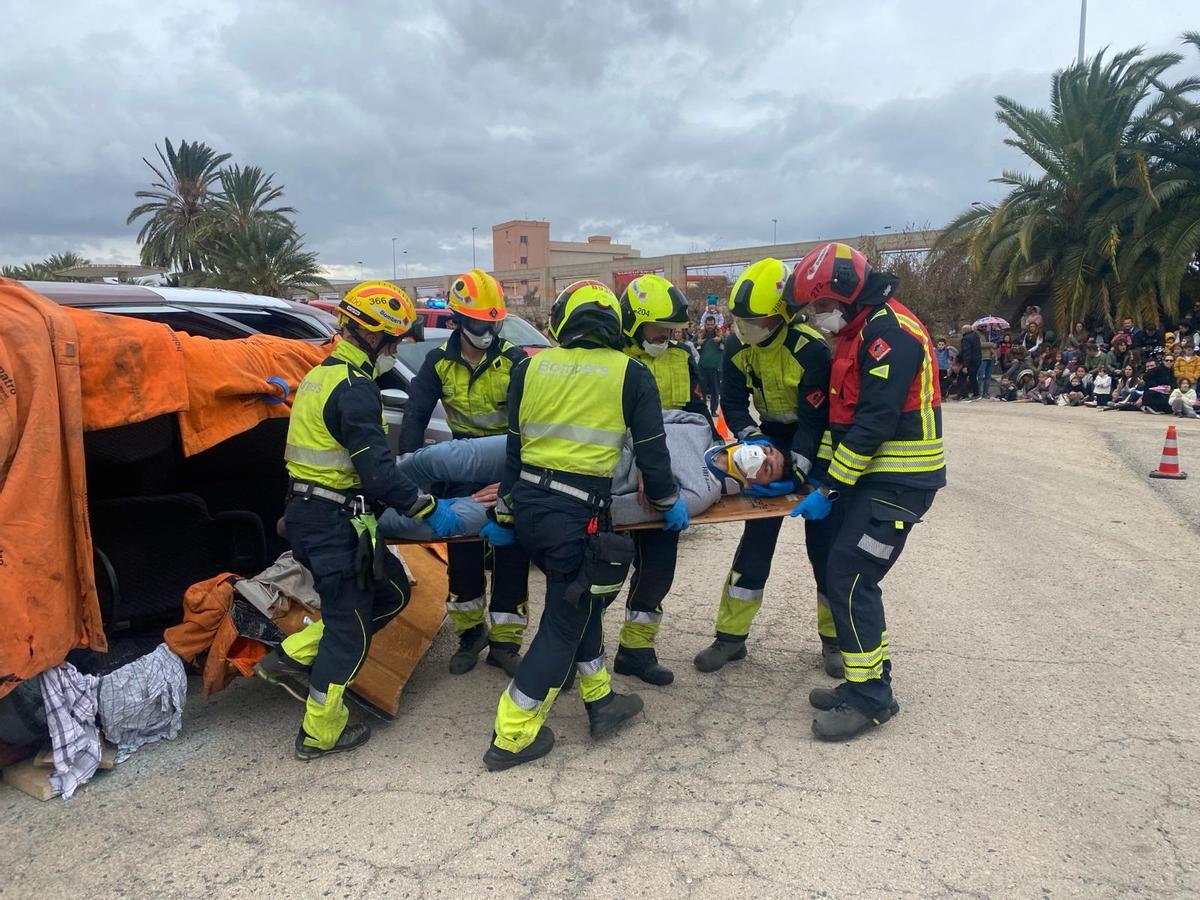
(672, 125)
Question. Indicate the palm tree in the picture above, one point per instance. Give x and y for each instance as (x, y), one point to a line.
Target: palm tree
(46, 270)
(246, 195)
(264, 257)
(1066, 225)
(179, 206)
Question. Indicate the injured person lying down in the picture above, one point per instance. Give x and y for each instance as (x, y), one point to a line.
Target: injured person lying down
(704, 471)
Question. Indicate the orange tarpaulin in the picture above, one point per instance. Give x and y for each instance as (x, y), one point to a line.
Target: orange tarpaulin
(64, 371)
(48, 602)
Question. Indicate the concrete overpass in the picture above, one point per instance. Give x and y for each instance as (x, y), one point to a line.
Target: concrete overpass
(543, 284)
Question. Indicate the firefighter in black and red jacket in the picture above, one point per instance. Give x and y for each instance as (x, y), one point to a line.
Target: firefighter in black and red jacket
(880, 465)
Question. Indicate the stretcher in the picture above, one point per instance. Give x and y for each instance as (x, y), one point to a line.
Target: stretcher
(733, 508)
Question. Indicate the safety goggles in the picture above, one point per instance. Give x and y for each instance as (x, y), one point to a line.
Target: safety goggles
(479, 327)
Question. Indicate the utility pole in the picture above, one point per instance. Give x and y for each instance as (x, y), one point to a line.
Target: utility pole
(406, 264)
(1082, 27)
(394, 259)
(774, 232)
(473, 227)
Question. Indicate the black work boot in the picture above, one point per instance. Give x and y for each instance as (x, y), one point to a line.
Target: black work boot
(352, 736)
(497, 760)
(843, 722)
(281, 670)
(504, 656)
(831, 657)
(609, 713)
(642, 662)
(718, 653)
(470, 644)
(831, 698)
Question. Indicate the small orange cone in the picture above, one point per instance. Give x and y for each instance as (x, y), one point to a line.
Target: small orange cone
(1169, 466)
(722, 428)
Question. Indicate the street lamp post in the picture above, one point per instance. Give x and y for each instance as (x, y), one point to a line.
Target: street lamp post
(1082, 27)
(406, 264)
(473, 227)
(394, 259)
(774, 232)
(360, 270)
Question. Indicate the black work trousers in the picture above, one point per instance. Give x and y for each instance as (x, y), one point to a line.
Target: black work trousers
(870, 525)
(710, 383)
(655, 552)
(324, 541)
(553, 530)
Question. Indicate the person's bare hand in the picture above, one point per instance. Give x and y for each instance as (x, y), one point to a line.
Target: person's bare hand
(487, 495)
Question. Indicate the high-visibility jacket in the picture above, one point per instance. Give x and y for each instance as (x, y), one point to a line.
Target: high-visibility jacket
(337, 436)
(675, 374)
(885, 416)
(475, 397)
(788, 378)
(571, 409)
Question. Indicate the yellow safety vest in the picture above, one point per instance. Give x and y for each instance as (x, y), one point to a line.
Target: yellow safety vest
(312, 453)
(670, 371)
(773, 373)
(475, 406)
(571, 414)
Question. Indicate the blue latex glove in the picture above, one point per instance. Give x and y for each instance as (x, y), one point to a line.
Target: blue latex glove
(497, 535)
(774, 489)
(443, 521)
(677, 516)
(813, 507)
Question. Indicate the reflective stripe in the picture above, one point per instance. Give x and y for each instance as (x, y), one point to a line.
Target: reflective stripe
(580, 434)
(317, 696)
(557, 486)
(602, 589)
(522, 699)
(786, 418)
(914, 328)
(506, 619)
(852, 457)
(801, 462)
(738, 593)
(842, 474)
(466, 605)
(878, 549)
(494, 419)
(591, 667)
(332, 459)
(642, 618)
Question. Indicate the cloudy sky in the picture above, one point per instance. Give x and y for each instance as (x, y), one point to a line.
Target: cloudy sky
(672, 125)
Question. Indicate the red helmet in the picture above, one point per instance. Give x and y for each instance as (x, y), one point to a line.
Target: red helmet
(831, 272)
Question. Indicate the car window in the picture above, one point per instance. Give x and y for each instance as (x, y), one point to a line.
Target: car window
(278, 324)
(193, 323)
(412, 355)
(521, 333)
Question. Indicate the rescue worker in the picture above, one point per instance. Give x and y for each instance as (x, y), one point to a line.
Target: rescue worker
(569, 409)
(469, 374)
(880, 469)
(784, 366)
(342, 474)
(650, 308)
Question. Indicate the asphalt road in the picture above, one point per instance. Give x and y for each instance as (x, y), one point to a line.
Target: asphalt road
(1042, 625)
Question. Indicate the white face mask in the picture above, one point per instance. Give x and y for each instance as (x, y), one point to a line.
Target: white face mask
(830, 322)
(751, 332)
(384, 362)
(655, 350)
(480, 341)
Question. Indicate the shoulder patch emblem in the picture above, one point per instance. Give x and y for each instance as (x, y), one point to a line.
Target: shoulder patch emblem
(880, 371)
(815, 398)
(879, 349)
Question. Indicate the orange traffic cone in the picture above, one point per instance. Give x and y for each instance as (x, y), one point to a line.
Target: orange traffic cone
(722, 428)
(1169, 466)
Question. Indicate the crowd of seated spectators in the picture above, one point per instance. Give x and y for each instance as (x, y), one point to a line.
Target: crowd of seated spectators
(1132, 368)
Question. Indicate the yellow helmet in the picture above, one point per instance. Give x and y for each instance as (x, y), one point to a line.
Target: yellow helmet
(378, 306)
(651, 298)
(586, 308)
(762, 290)
(477, 295)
